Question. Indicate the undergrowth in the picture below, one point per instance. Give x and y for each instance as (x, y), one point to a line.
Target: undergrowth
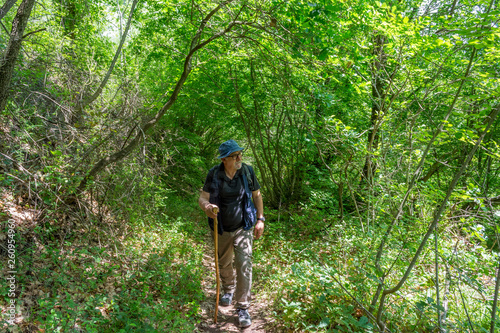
(314, 271)
(146, 278)
(320, 277)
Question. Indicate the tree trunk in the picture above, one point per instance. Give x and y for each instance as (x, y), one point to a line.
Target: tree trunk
(6, 7)
(266, 179)
(89, 99)
(9, 59)
(495, 300)
(377, 106)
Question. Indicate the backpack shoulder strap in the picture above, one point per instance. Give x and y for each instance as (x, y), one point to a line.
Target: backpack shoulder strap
(246, 170)
(214, 187)
(216, 175)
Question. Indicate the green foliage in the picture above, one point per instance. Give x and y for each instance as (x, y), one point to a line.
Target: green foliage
(313, 258)
(152, 284)
(316, 303)
(303, 85)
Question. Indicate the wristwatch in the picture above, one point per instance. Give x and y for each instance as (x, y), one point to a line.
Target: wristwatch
(263, 219)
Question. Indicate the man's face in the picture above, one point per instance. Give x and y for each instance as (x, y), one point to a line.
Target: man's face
(234, 160)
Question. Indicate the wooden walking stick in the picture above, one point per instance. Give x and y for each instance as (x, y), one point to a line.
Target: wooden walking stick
(216, 233)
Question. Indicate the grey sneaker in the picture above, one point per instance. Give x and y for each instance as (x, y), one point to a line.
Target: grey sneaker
(244, 318)
(226, 299)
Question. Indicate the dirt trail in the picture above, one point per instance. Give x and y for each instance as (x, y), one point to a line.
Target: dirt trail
(227, 320)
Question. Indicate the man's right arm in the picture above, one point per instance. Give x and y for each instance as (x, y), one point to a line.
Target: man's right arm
(206, 206)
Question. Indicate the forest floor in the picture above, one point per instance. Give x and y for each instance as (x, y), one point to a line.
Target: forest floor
(227, 320)
(70, 267)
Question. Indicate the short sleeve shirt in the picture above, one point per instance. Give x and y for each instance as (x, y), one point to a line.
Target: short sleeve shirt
(231, 195)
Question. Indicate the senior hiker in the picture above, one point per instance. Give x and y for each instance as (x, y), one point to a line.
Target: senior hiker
(231, 189)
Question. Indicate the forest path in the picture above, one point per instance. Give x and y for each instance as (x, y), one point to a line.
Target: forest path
(227, 320)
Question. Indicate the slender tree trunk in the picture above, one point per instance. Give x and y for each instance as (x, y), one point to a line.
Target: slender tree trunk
(446, 292)
(486, 181)
(495, 300)
(436, 268)
(88, 100)
(267, 152)
(8, 61)
(377, 102)
(6, 7)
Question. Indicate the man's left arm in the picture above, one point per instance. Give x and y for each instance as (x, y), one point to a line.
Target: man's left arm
(257, 201)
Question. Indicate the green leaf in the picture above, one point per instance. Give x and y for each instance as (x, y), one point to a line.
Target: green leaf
(324, 323)
(364, 322)
(323, 55)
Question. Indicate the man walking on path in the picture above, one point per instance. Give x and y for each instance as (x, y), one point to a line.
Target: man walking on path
(232, 191)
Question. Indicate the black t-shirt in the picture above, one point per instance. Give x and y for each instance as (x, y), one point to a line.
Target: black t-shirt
(231, 196)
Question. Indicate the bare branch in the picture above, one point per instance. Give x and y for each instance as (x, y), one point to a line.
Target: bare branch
(34, 32)
(9, 58)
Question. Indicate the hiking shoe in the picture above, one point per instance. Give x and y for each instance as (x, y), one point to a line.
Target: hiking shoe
(244, 318)
(226, 299)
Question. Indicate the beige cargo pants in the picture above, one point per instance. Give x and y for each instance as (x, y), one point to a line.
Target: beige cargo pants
(237, 245)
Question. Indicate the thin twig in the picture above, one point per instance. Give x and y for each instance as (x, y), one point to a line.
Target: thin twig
(34, 32)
